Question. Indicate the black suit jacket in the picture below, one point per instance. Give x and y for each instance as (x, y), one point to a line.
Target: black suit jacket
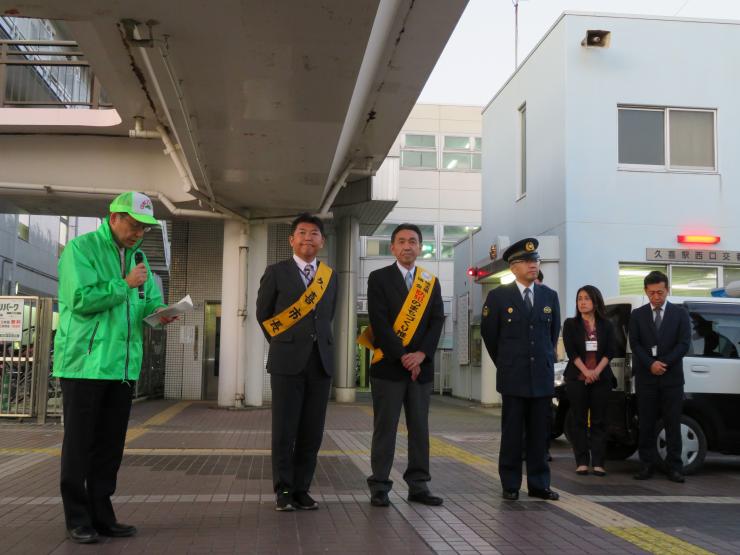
(521, 343)
(386, 293)
(574, 340)
(280, 287)
(673, 341)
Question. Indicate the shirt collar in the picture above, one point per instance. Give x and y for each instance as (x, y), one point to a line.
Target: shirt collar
(404, 270)
(302, 263)
(523, 287)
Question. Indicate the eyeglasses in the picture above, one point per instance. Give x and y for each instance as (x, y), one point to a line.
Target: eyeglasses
(137, 225)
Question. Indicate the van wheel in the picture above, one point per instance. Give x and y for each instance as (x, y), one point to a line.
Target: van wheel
(693, 444)
(619, 451)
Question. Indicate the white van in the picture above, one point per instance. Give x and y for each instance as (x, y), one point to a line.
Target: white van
(711, 409)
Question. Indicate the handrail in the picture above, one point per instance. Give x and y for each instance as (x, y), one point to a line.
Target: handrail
(33, 76)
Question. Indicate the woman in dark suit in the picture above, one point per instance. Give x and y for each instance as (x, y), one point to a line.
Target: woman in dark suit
(589, 342)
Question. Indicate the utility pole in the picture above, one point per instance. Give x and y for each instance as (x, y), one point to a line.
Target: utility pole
(516, 32)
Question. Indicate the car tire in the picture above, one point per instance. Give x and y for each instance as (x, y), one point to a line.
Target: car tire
(693, 443)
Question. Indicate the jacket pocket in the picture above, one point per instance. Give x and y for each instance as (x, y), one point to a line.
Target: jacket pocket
(92, 337)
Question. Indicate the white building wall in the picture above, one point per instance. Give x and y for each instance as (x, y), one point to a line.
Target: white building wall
(650, 62)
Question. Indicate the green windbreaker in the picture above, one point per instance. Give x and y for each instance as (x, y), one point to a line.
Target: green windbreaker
(100, 329)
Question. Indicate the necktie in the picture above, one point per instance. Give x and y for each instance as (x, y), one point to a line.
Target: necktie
(528, 298)
(409, 279)
(308, 271)
(658, 318)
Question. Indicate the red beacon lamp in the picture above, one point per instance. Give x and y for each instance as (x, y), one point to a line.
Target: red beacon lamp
(698, 239)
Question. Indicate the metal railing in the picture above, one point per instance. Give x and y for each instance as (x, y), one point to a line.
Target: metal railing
(39, 73)
(25, 350)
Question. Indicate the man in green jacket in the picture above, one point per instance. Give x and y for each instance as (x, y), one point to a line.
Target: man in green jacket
(105, 292)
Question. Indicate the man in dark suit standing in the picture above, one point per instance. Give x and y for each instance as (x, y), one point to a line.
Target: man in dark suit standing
(660, 336)
(295, 303)
(406, 318)
(520, 327)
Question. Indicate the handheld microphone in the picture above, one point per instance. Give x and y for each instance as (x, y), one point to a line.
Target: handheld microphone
(139, 258)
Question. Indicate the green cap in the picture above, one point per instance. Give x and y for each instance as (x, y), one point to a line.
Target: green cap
(136, 205)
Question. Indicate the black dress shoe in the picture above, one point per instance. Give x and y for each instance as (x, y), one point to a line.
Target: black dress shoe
(83, 534)
(380, 499)
(426, 498)
(117, 530)
(645, 473)
(546, 494)
(510, 494)
(676, 476)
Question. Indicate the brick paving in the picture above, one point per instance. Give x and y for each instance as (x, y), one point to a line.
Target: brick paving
(196, 479)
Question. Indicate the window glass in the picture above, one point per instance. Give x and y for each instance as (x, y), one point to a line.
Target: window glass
(692, 139)
(641, 137)
(478, 143)
(691, 281)
(631, 277)
(619, 316)
(428, 250)
(420, 141)
(523, 151)
(447, 250)
(384, 230)
(418, 159)
(715, 331)
(459, 143)
(456, 161)
(457, 232)
(476, 161)
(732, 273)
(24, 226)
(378, 247)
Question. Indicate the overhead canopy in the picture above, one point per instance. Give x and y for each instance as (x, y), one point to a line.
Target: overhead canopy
(270, 102)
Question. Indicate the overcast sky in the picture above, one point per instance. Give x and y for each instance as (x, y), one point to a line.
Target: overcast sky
(480, 54)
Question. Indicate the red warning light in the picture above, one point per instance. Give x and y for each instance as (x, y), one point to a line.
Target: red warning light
(698, 239)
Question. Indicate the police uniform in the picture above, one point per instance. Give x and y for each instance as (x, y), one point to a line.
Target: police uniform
(521, 341)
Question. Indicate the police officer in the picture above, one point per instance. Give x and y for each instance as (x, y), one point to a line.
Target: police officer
(520, 326)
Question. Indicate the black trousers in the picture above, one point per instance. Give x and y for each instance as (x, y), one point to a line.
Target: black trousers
(298, 412)
(96, 414)
(388, 398)
(589, 443)
(520, 416)
(660, 402)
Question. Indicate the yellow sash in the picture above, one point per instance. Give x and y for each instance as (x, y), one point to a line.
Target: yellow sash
(305, 304)
(410, 315)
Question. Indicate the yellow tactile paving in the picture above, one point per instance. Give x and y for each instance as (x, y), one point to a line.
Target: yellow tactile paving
(655, 541)
(157, 420)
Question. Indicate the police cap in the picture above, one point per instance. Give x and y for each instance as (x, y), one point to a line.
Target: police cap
(525, 249)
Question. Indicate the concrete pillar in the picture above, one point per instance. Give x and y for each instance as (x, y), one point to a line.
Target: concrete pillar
(232, 353)
(345, 319)
(255, 358)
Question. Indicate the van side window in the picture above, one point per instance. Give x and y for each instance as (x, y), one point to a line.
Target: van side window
(619, 316)
(715, 330)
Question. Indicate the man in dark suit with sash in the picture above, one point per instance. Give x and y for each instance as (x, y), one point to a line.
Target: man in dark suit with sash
(660, 336)
(520, 327)
(295, 303)
(406, 319)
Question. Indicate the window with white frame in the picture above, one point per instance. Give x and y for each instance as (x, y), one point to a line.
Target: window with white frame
(667, 138)
(419, 152)
(461, 153)
(451, 234)
(379, 244)
(522, 151)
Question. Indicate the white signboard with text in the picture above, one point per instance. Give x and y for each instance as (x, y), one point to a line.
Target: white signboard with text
(11, 320)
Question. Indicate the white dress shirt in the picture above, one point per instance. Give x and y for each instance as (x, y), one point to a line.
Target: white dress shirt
(302, 266)
(405, 270)
(523, 287)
